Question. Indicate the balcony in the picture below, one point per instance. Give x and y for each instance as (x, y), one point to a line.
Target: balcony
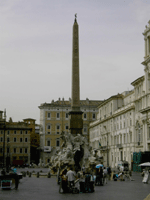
(47, 148)
(119, 146)
(103, 148)
(139, 144)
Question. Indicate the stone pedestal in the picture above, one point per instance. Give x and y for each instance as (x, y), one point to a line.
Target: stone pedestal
(76, 122)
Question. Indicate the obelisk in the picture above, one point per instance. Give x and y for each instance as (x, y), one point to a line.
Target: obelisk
(76, 121)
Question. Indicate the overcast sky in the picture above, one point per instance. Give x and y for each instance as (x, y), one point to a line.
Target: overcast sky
(36, 50)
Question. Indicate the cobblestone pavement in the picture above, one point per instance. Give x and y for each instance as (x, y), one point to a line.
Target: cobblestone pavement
(47, 188)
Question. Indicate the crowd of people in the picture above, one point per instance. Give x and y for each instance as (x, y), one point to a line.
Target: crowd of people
(84, 180)
(71, 181)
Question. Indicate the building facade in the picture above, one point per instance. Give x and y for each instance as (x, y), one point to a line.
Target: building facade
(123, 121)
(34, 140)
(54, 119)
(14, 142)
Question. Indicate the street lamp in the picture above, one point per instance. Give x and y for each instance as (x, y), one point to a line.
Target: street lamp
(4, 139)
(7, 158)
(107, 147)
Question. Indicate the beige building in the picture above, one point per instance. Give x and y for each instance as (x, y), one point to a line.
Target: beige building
(112, 133)
(54, 118)
(14, 142)
(123, 121)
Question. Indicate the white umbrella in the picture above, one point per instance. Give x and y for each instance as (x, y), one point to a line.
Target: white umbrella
(146, 164)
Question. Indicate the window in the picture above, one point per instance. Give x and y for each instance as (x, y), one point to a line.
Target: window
(149, 132)
(93, 115)
(130, 137)
(84, 115)
(1, 150)
(58, 128)
(20, 139)
(48, 127)
(67, 115)
(117, 126)
(14, 132)
(7, 149)
(7, 132)
(130, 122)
(26, 150)
(48, 115)
(21, 132)
(15, 139)
(124, 139)
(8, 140)
(57, 116)
(85, 129)
(48, 143)
(120, 125)
(66, 127)
(14, 157)
(26, 139)
(20, 150)
(14, 150)
(57, 143)
(26, 132)
(1, 139)
(1, 132)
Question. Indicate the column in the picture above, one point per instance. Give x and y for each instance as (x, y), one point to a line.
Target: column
(145, 47)
(148, 46)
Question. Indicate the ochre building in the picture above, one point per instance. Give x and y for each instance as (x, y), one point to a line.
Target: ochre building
(54, 118)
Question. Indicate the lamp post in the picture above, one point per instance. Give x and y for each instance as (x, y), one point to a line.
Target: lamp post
(107, 147)
(107, 152)
(4, 163)
(7, 158)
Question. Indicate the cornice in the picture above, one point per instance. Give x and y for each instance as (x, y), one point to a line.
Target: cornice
(138, 80)
(144, 110)
(145, 62)
(112, 116)
(119, 96)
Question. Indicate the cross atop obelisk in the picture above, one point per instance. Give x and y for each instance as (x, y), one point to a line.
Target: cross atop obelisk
(76, 122)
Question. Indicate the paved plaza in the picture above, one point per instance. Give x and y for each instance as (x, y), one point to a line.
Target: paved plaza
(47, 188)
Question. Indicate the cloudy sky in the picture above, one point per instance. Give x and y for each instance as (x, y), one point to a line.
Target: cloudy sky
(36, 50)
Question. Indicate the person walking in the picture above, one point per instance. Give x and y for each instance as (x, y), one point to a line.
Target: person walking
(146, 175)
(109, 172)
(101, 175)
(105, 175)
